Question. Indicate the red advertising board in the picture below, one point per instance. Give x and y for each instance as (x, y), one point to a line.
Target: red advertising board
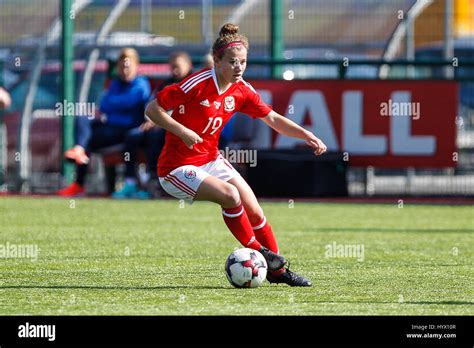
(377, 123)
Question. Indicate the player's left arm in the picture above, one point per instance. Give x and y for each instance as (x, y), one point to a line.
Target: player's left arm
(287, 127)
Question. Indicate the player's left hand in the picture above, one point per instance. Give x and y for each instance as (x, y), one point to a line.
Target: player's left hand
(316, 144)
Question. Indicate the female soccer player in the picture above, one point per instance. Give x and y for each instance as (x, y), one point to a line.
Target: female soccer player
(190, 166)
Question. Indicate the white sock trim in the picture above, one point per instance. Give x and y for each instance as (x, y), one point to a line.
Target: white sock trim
(233, 215)
(261, 225)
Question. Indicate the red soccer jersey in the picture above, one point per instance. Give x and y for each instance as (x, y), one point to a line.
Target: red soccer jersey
(198, 105)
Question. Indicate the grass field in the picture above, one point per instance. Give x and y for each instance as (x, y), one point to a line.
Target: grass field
(104, 257)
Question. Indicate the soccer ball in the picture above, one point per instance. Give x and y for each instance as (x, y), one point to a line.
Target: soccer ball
(246, 268)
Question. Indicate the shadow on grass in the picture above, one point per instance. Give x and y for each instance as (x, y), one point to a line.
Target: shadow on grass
(95, 287)
(459, 303)
(176, 287)
(382, 229)
(440, 302)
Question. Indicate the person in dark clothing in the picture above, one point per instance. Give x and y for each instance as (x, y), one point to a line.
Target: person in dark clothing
(152, 138)
(123, 105)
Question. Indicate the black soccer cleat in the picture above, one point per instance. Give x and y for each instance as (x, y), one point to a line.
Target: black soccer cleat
(274, 261)
(290, 278)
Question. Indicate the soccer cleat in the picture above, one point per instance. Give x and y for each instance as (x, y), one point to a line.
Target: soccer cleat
(72, 190)
(274, 261)
(77, 154)
(143, 195)
(130, 191)
(289, 277)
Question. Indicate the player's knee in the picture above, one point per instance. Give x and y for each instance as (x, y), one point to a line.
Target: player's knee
(231, 196)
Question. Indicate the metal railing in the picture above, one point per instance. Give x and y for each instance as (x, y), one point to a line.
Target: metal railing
(344, 64)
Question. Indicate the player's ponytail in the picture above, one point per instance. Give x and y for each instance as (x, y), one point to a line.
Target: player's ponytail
(229, 38)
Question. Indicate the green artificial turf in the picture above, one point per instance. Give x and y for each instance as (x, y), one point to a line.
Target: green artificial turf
(105, 257)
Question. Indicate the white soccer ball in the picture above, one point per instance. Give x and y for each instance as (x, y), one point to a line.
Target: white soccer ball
(246, 268)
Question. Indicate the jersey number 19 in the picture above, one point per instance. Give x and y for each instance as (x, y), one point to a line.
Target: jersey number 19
(215, 122)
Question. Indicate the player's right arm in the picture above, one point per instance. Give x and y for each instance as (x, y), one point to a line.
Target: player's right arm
(160, 117)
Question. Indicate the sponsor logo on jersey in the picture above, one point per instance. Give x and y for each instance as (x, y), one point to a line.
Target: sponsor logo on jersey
(251, 240)
(205, 102)
(190, 174)
(217, 104)
(229, 103)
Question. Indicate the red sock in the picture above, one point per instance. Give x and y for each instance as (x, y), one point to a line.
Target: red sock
(238, 223)
(264, 234)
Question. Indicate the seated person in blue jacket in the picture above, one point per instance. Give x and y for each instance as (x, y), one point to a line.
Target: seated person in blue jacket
(152, 138)
(123, 106)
